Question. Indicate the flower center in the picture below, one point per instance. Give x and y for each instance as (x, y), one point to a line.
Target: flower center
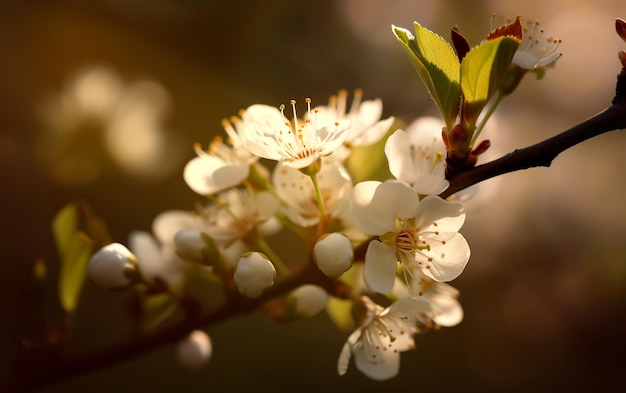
(408, 241)
(300, 144)
(235, 213)
(381, 333)
(544, 50)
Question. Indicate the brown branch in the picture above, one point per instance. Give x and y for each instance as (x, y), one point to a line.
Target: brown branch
(542, 153)
(55, 370)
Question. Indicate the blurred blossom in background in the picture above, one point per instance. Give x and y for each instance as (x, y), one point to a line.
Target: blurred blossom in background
(103, 101)
(99, 119)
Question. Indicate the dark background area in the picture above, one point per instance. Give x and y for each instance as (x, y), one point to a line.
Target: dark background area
(544, 293)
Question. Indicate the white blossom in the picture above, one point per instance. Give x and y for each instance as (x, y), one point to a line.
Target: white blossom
(421, 235)
(296, 143)
(418, 155)
(384, 333)
(366, 126)
(224, 165)
(158, 263)
(235, 213)
(296, 190)
(536, 50)
(444, 308)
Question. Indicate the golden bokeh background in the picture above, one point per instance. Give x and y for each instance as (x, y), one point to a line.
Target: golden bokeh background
(103, 100)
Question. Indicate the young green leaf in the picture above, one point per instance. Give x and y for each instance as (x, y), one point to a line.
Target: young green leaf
(73, 271)
(74, 248)
(64, 224)
(482, 71)
(438, 66)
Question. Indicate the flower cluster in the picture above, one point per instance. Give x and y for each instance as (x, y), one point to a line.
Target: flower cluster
(399, 232)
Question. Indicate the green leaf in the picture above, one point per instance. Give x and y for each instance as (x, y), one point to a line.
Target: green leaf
(74, 248)
(482, 71)
(73, 271)
(64, 225)
(438, 66)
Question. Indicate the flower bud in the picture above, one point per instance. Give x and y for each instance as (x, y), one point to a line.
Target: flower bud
(333, 254)
(113, 267)
(306, 301)
(196, 246)
(195, 350)
(254, 274)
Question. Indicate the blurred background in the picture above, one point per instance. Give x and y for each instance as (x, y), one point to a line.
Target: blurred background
(103, 100)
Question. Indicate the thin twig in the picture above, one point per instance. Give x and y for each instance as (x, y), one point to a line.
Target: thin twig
(542, 153)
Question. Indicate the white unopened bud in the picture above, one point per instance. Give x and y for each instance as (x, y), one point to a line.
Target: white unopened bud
(333, 254)
(196, 246)
(254, 274)
(113, 267)
(195, 350)
(306, 301)
(189, 244)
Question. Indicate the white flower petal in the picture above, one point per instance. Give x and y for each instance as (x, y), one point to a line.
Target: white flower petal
(230, 175)
(266, 205)
(346, 352)
(376, 205)
(374, 133)
(153, 264)
(448, 311)
(525, 60)
(166, 224)
(379, 271)
(387, 364)
(398, 152)
(430, 185)
(448, 259)
(208, 175)
(448, 216)
(369, 113)
(197, 174)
